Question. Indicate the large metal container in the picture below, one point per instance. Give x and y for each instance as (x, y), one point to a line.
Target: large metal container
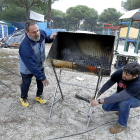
(82, 52)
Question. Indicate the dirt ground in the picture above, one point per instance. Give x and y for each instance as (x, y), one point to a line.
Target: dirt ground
(69, 117)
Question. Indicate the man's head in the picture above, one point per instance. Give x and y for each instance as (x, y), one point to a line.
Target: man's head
(32, 30)
(131, 71)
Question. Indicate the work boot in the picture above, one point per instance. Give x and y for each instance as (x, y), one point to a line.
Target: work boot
(24, 102)
(117, 112)
(40, 99)
(117, 128)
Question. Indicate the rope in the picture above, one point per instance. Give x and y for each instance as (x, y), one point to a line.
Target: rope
(71, 135)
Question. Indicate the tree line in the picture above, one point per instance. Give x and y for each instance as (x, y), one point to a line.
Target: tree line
(75, 18)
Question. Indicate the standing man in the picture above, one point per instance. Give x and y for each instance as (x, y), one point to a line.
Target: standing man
(31, 60)
(127, 95)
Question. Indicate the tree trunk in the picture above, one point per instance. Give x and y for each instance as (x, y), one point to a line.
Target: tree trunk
(68, 26)
(27, 13)
(85, 27)
(78, 22)
(49, 15)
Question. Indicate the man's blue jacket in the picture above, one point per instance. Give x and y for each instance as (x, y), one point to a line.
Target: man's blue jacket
(32, 55)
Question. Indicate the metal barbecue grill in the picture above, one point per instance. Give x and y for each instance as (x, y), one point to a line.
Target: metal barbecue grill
(80, 52)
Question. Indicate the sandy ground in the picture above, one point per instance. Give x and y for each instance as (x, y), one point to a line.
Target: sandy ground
(69, 117)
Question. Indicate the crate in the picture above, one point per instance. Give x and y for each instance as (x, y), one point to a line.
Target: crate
(124, 58)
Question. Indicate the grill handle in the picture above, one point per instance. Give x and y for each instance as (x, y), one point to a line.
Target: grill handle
(82, 98)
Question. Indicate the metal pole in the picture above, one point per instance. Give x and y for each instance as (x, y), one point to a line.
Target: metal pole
(118, 39)
(96, 95)
(137, 43)
(103, 30)
(54, 96)
(126, 42)
(56, 78)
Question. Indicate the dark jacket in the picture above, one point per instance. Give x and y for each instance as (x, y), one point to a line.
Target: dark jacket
(32, 55)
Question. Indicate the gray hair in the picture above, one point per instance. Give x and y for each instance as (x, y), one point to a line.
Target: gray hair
(29, 23)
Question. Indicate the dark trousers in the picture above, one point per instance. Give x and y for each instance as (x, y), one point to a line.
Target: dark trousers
(26, 81)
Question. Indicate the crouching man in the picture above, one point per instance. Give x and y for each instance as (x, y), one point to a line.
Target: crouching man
(126, 96)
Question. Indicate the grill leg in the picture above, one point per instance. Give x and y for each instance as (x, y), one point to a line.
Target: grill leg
(58, 81)
(96, 95)
(58, 85)
(89, 117)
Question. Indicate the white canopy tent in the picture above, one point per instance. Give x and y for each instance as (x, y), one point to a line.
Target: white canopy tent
(134, 14)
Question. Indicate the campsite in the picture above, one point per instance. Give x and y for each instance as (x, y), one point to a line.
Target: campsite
(70, 50)
(69, 116)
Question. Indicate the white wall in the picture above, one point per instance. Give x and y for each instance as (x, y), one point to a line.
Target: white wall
(3, 33)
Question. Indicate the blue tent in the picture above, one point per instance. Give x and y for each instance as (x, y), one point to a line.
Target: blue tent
(19, 25)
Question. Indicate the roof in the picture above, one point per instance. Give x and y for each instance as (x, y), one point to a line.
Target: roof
(1, 22)
(134, 14)
(8, 23)
(88, 32)
(113, 27)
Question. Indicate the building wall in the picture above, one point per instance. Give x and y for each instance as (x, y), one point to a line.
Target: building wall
(3, 31)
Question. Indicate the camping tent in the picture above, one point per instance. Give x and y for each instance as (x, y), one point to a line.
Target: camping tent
(14, 40)
(11, 29)
(3, 30)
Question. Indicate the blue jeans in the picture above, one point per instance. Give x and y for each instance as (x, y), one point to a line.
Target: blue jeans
(123, 107)
(26, 81)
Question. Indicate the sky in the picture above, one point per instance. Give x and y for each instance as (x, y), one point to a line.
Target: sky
(98, 5)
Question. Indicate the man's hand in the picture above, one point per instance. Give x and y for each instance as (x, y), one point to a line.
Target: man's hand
(94, 103)
(45, 82)
(53, 35)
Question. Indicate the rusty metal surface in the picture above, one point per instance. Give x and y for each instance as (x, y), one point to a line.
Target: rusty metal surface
(82, 52)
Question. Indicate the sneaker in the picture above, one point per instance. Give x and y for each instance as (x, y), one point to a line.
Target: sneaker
(40, 99)
(116, 129)
(117, 112)
(24, 102)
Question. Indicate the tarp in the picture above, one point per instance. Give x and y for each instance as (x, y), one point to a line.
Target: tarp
(36, 16)
(133, 32)
(13, 39)
(52, 31)
(11, 30)
(16, 37)
(19, 25)
(42, 25)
